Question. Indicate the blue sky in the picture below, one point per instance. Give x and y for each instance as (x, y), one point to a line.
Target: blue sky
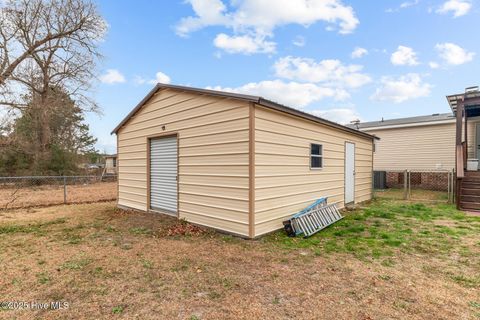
(339, 59)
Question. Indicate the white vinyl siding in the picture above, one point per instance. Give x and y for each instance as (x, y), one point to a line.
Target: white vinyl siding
(430, 147)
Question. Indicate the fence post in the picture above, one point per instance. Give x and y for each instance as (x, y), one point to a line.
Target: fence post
(405, 185)
(64, 189)
(409, 177)
(454, 186)
(448, 187)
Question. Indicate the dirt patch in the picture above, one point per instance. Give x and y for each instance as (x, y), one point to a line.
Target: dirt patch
(184, 229)
(54, 195)
(112, 263)
(474, 213)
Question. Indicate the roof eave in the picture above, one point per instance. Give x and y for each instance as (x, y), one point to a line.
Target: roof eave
(159, 86)
(137, 107)
(249, 98)
(408, 125)
(302, 114)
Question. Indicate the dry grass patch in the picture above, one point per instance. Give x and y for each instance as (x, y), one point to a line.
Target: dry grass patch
(388, 260)
(37, 196)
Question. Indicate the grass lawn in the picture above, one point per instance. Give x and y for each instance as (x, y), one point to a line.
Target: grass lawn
(387, 260)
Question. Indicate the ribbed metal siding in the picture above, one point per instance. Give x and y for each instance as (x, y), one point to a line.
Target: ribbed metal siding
(163, 174)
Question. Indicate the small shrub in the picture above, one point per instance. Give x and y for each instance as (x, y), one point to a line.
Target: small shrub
(118, 309)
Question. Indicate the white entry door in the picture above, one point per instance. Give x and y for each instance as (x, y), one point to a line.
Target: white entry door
(349, 172)
(163, 174)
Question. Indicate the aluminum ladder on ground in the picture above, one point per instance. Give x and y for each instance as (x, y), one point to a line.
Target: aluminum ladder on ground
(314, 218)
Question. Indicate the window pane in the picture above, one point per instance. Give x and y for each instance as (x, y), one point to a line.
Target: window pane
(316, 162)
(316, 149)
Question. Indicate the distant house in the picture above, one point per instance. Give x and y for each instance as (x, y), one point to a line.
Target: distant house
(238, 163)
(438, 142)
(110, 163)
(424, 143)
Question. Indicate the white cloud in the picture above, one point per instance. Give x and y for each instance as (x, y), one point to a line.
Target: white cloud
(209, 13)
(302, 81)
(404, 56)
(403, 5)
(112, 76)
(259, 19)
(454, 54)
(330, 72)
(457, 7)
(433, 65)
(160, 77)
(265, 16)
(299, 41)
(401, 89)
(339, 115)
(243, 44)
(292, 93)
(359, 52)
(407, 4)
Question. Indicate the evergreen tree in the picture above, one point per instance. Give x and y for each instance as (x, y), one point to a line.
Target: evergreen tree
(49, 137)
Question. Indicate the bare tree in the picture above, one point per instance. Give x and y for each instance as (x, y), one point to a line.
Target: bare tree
(48, 45)
(29, 27)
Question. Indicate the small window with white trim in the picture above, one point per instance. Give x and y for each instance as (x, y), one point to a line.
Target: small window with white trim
(316, 156)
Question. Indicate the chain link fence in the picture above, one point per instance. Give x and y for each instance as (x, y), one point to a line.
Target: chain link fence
(35, 191)
(415, 185)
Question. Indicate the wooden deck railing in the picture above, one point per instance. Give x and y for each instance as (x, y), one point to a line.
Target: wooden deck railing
(460, 160)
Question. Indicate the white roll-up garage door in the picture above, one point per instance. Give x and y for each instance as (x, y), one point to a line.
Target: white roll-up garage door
(163, 174)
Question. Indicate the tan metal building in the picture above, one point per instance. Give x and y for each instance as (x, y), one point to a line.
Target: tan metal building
(237, 163)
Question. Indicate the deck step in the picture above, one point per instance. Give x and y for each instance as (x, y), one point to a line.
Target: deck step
(470, 198)
(470, 185)
(471, 192)
(470, 205)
